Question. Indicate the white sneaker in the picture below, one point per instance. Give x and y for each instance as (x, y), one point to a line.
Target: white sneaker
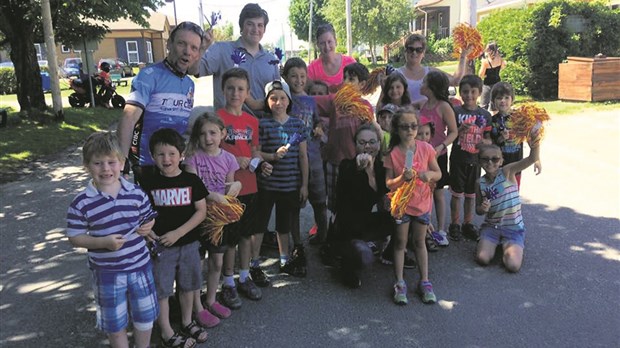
(441, 238)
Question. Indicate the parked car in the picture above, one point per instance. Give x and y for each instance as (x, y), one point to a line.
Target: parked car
(71, 67)
(117, 66)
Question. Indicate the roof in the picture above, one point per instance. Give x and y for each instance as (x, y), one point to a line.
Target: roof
(425, 3)
(157, 22)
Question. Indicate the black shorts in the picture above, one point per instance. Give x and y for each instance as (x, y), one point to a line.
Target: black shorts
(445, 177)
(287, 205)
(463, 178)
(247, 225)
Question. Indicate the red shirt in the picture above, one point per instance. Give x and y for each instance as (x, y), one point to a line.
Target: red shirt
(241, 136)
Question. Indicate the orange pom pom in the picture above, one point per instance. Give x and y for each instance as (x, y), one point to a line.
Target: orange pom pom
(220, 215)
(401, 197)
(526, 123)
(348, 101)
(465, 36)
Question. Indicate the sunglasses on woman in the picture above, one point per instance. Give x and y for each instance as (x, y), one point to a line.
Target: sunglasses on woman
(411, 49)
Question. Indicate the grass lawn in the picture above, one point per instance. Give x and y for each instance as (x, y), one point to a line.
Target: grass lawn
(24, 141)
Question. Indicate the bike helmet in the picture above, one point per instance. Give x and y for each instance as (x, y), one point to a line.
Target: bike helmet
(105, 66)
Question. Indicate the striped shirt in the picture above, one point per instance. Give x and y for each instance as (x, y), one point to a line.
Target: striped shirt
(286, 174)
(98, 214)
(505, 208)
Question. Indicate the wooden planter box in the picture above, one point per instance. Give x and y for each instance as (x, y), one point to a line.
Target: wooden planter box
(589, 79)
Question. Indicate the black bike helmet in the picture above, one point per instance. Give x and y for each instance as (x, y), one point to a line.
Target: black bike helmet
(105, 66)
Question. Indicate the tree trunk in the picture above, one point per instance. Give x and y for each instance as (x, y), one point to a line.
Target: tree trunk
(29, 87)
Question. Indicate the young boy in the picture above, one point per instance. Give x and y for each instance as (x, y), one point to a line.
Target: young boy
(179, 198)
(384, 118)
(342, 127)
(474, 125)
(295, 73)
(317, 87)
(110, 218)
(242, 141)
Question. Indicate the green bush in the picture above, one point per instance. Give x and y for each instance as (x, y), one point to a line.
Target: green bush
(518, 74)
(8, 81)
(538, 38)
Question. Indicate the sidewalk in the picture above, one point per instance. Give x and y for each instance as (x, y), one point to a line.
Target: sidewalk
(566, 294)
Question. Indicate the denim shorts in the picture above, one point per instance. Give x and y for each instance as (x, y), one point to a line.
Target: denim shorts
(504, 236)
(116, 293)
(423, 219)
(180, 263)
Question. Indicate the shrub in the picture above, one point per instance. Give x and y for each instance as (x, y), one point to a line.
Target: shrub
(8, 81)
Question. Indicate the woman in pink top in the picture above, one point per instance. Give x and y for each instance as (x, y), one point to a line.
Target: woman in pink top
(329, 66)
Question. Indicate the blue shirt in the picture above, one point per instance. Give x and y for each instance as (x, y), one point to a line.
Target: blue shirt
(304, 108)
(262, 68)
(166, 100)
(286, 174)
(98, 214)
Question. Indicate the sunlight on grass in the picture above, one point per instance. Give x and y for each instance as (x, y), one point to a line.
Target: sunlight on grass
(69, 127)
(20, 156)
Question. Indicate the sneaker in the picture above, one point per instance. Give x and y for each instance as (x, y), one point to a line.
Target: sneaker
(259, 277)
(229, 297)
(288, 268)
(218, 310)
(313, 230)
(373, 247)
(350, 278)
(400, 293)
(206, 319)
(298, 259)
(444, 238)
(425, 289)
(470, 231)
(249, 290)
(387, 258)
(454, 231)
(431, 245)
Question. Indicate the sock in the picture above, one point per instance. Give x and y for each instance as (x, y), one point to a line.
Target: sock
(243, 275)
(283, 259)
(229, 280)
(255, 263)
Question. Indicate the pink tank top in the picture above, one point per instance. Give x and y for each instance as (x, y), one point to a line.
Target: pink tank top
(441, 128)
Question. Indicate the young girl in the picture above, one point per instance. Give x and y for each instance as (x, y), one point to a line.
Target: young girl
(426, 131)
(281, 142)
(394, 91)
(417, 214)
(216, 168)
(497, 196)
(502, 96)
(438, 110)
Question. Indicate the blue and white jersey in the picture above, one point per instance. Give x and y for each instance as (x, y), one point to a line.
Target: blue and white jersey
(167, 100)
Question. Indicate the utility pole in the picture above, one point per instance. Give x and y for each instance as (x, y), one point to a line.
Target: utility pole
(349, 36)
(310, 32)
(52, 63)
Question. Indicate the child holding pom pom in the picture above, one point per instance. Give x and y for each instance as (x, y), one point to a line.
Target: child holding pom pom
(497, 196)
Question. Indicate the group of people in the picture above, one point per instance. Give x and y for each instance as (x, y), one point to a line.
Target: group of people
(281, 137)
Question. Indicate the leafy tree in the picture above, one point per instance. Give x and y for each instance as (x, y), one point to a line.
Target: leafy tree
(299, 17)
(20, 24)
(223, 32)
(373, 22)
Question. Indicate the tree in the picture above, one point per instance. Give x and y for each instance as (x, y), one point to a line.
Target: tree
(373, 22)
(223, 32)
(299, 17)
(74, 21)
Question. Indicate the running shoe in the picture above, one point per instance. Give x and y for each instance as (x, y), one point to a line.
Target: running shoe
(400, 293)
(425, 289)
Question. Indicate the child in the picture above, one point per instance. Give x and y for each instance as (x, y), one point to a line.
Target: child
(439, 111)
(497, 196)
(474, 126)
(179, 198)
(304, 107)
(502, 96)
(242, 141)
(384, 118)
(283, 144)
(216, 168)
(317, 87)
(103, 219)
(417, 214)
(394, 91)
(342, 127)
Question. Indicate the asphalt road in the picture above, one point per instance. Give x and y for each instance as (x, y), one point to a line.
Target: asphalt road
(566, 295)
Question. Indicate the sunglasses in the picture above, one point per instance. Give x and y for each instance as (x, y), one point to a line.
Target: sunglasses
(490, 159)
(191, 26)
(372, 142)
(411, 49)
(406, 127)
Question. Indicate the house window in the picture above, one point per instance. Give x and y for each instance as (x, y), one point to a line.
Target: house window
(149, 51)
(37, 48)
(64, 49)
(132, 52)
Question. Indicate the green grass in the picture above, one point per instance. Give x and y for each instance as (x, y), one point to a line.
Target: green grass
(24, 141)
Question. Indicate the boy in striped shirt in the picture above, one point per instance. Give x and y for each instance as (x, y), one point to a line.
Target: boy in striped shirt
(110, 218)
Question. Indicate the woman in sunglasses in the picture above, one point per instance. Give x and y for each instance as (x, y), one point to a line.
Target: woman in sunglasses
(414, 71)
(497, 196)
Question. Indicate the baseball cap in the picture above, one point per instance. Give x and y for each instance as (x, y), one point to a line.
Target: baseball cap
(277, 85)
(391, 108)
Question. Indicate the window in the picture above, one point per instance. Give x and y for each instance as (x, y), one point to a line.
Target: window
(37, 48)
(132, 52)
(149, 51)
(64, 49)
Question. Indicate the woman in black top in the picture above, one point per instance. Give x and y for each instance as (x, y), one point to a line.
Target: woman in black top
(489, 72)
